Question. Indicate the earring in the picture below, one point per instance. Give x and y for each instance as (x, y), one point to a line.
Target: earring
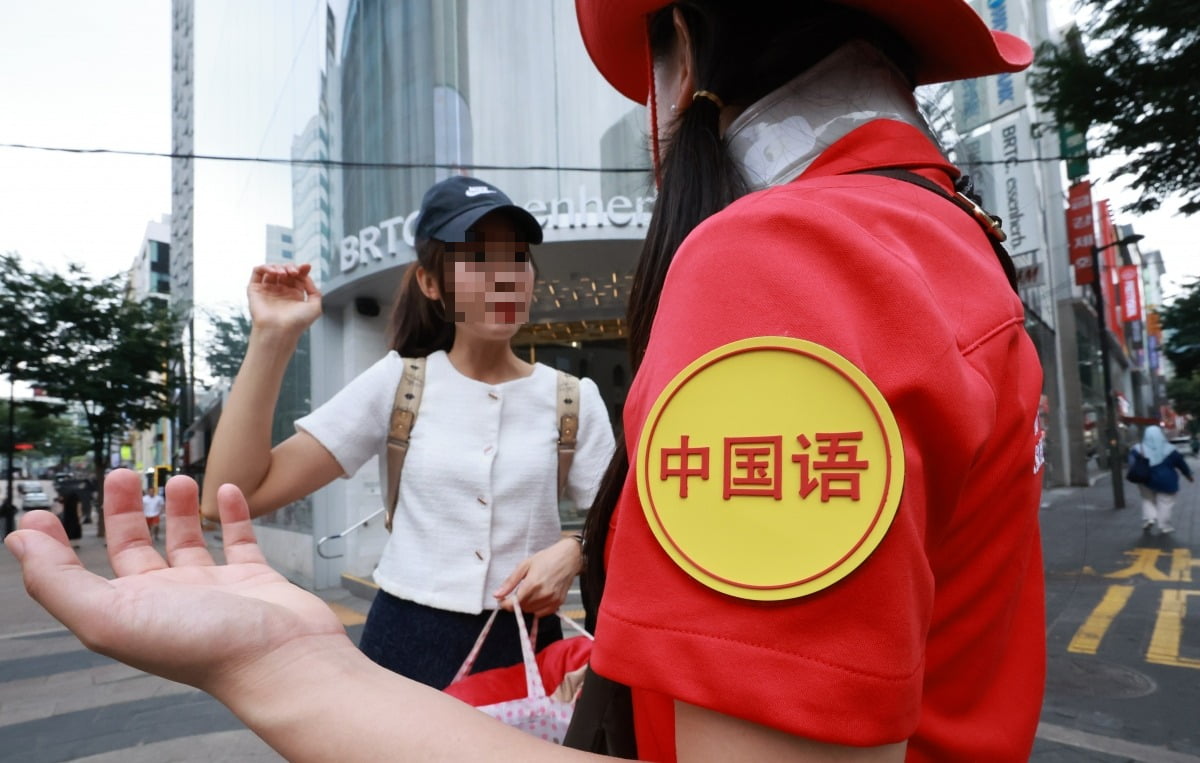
(672, 108)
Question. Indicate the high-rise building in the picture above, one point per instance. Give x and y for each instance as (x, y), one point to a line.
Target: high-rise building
(182, 203)
(150, 278)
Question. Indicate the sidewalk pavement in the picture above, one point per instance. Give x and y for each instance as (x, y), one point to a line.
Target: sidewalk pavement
(61, 702)
(1123, 697)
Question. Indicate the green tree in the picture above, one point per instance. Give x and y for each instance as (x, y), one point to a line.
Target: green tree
(1181, 322)
(227, 346)
(96, 348)
(1185, 396)
(1130, 73)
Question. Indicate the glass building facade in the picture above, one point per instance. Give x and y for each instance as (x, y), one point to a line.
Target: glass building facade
(372, 102)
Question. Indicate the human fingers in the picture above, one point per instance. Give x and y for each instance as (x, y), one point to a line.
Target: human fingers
(512, 581)
(45, 522)
(185, 541)
(55, 578)
(129, 548)
(237, 533)
(310, 287)
(539, 599)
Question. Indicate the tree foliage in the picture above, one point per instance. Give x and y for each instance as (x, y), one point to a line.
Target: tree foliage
(227, 346)
(1181, 321)
(1130, 73)
(1185, 395)
(91, 345)
(42, 425)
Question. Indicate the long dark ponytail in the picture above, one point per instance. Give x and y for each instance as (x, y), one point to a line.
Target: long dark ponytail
(741, 52)
(419, 325)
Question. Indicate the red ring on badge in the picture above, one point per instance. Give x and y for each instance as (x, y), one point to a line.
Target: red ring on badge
(679, 383)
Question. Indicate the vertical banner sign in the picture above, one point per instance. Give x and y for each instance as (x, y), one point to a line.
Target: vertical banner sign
(1081, 231)
(1131, 300)
(979, 101)
(1107, 235)
(1015, 196)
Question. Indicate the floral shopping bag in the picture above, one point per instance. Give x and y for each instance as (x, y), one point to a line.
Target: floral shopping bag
(535, 708)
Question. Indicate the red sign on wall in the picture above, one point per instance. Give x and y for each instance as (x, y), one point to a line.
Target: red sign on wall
(1081, 231)
(1129, 293)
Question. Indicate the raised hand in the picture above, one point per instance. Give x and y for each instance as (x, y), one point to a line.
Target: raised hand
(184, 617)
(283, 297)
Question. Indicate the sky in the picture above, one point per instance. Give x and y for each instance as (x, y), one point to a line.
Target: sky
(82, 74)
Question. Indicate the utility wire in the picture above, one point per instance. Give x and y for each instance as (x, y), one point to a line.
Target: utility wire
(330, 163)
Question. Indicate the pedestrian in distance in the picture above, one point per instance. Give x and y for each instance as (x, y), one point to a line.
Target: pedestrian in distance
(153, 505)
(476, 516)
(70, 513)
(833, 385)
(1158, 492)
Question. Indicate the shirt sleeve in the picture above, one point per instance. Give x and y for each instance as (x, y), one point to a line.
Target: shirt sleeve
(842, 664)
(594, 448)
(353, 424)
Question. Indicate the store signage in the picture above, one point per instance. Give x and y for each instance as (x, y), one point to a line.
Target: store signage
(1073, 145)
(1081, 232)
(374, 243)
(1130, 293)
(985, 99)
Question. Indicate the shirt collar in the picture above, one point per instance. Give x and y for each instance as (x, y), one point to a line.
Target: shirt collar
(787, 132)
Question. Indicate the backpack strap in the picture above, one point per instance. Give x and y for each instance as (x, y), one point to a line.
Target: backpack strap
(966, 200)
(567, 413)
(404, 415)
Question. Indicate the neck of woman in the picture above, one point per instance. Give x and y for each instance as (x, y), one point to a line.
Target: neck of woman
(485, 360)
(777, 137)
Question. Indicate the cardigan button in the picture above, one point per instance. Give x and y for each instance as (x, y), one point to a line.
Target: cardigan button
(481, 499)
(493, 395)
(478, 556)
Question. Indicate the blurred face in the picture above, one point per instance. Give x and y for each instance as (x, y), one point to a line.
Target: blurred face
(491, 280)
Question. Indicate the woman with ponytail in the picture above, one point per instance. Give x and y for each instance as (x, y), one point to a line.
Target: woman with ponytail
(477, 515)
(819, 539)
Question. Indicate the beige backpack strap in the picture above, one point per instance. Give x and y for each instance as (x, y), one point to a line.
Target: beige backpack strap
(567, 407)
(404, 415)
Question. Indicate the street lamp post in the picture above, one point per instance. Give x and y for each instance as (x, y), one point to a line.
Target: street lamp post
(1114, 451)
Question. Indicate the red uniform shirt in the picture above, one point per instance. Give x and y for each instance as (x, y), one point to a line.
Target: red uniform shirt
(938, 636)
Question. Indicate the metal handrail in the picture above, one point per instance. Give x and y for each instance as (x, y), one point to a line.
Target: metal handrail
(343, 533)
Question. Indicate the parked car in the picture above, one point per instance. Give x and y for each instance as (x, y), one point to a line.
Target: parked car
(35, 500)
(29, 487)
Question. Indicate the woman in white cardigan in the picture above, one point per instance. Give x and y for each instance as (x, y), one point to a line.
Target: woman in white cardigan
(477, 515)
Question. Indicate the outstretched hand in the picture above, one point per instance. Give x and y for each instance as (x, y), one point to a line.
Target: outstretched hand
(283, 296)
(184, 617)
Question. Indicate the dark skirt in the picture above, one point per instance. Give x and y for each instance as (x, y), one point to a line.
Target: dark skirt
(429, 645)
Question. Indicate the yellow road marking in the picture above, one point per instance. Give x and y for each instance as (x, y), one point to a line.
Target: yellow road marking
(1087, 638)
(1168, 631)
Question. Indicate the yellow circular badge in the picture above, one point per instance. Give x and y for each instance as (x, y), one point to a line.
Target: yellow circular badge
(770, 468)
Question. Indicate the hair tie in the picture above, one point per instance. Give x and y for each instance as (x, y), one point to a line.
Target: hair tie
(710, 96)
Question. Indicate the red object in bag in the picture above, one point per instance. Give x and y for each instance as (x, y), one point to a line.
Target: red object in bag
(504, 684)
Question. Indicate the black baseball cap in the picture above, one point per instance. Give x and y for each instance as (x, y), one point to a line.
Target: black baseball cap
(452, 206)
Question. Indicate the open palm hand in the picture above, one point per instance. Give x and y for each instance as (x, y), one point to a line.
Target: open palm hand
(184, 617)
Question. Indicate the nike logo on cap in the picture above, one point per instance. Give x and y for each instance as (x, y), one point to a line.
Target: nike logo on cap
(479, 190)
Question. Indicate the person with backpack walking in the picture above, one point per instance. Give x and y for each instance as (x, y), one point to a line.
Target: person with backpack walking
(475, 516)
(1162, 482)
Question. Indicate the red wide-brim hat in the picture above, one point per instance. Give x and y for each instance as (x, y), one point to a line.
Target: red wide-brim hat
(949, 39)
